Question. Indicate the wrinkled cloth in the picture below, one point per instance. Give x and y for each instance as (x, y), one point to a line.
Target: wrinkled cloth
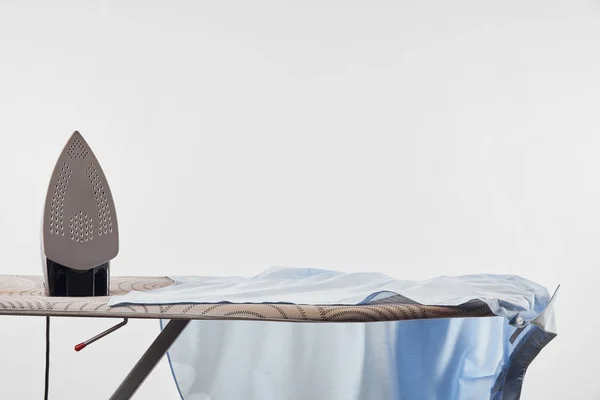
(439, 359)
(506, 295)
(430, 359)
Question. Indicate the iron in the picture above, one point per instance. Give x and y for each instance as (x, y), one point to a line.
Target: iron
(79, 225)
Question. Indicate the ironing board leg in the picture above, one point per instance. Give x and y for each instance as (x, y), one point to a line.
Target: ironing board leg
(150, 359)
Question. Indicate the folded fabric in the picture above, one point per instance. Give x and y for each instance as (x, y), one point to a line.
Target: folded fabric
(506, 295)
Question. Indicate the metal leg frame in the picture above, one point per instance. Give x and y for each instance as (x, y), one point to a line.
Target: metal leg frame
(150, 359)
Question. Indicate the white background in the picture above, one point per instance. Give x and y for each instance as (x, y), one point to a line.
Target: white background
(412, 138)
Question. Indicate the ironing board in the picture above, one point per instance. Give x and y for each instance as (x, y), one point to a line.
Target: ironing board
(23, 295)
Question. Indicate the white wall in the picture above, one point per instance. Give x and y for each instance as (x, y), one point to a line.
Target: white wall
(412, 138)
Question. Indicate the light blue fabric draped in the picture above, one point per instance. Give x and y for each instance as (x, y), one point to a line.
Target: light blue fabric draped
(436, 359)
(441, 359)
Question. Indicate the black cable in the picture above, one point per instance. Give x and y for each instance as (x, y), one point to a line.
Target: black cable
(47, 378)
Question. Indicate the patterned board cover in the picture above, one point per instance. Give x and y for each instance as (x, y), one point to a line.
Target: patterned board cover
(24, 295)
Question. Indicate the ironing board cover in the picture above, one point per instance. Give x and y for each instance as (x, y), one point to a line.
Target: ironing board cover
(24, 295)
